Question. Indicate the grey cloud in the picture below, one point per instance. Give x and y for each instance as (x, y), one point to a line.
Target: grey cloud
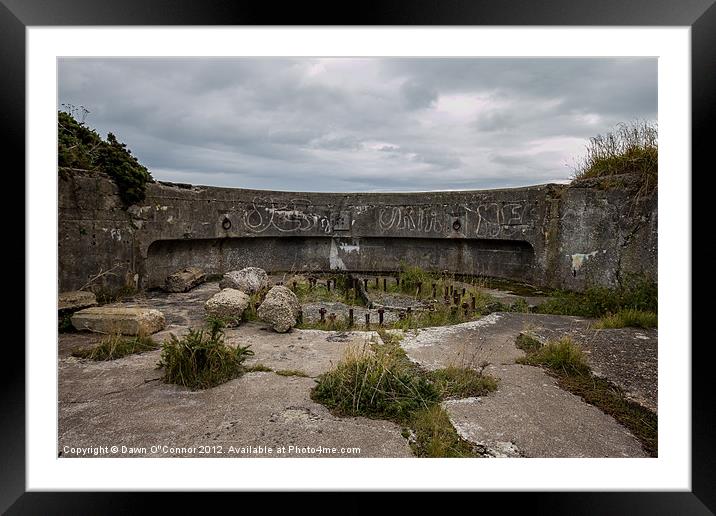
(358, 124)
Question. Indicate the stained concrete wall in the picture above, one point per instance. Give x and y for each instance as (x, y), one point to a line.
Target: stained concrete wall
(547, 234)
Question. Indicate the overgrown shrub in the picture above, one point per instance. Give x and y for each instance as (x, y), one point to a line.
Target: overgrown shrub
(81, 147)
(201, 359)
(629, 149)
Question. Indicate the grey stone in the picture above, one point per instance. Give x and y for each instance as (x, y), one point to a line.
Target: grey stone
(229, 304)
(76, 300)
(280, 309)
(184, 280)
(117, 319)
(249, 280)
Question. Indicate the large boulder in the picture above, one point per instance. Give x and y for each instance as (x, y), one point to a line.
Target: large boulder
(229, 305)
(280, 309)
(122, 320)
(75, 300)
(184, 280)
(249, 280)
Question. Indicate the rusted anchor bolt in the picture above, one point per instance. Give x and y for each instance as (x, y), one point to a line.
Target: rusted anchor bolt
(410, 311)
(367, 319)
(385, 284)
(322, 311)
(365, 283)
(299, 318)
(472, 303)
(465, 307)
(380, 316)
(434, 291)
(350, 317)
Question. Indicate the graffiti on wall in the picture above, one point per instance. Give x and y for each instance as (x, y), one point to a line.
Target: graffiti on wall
(294, 215)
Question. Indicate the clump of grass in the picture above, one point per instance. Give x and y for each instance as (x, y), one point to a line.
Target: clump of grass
(527, 342)
(562, 355)
(201, 359)
(292, 372)
(461, 382)
(564, 360)
(117, 346)
(257, 368)
(435, 436)
(629, 149)
(628, 318)
(380, 381)
(520, 305)
(255, 299)
(636, 293)
(375, 381)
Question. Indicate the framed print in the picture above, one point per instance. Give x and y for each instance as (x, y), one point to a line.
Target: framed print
(295, 257)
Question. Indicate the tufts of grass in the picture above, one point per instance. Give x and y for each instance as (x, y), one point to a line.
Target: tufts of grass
(380, 381)
(564, 360)
(435, 435)
(563, 356)
(375, 381)
(461, 382)
(201, 359)
(117, 346)
(520, 305)
(292, 372)
(636, 293)
(527, 342)
(629, 149)
(628, 318)
(258, 368)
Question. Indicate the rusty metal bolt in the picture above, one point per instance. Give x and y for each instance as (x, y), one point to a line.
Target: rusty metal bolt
(350, 317)
(420, 287)
(299, 319)
(367, 318)
(385, 284)
(328, 285)
(401, 316)
(410, 311)
(380, 316)
(376, 282)
(473, 303)
(465, 307)
(434, 291)
(322, 311)
(365, 284)
(294, 285)
(463, 291)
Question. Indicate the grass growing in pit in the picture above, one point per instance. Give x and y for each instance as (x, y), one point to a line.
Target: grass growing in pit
(292, 372)
(117, 346)
(201, 359)
(628, 318)
(258, 368)
(565, 360)
(636, 294)
(378, 380)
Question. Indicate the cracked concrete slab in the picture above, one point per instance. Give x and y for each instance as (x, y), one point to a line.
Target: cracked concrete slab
(121, 403)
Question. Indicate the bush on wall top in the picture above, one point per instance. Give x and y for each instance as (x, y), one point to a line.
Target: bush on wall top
(81, 147)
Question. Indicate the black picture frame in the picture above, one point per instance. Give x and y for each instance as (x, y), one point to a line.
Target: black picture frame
(16, 15)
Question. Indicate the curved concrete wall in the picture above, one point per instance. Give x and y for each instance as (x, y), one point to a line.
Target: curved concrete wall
(548, 234)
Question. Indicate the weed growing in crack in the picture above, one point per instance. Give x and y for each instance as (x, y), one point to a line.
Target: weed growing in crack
(117, 346)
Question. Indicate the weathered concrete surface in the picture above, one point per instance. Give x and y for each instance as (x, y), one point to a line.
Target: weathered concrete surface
(531, 413)
(124, 403)
(228, 304)
(528, 412)
(184, 280)
(249, 280)
(75, 300)
(117, 319)
(547, 234)
(280, 309)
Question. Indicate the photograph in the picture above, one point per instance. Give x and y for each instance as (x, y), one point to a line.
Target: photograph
(357, 257)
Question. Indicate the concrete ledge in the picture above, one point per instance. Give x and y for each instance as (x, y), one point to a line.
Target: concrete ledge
(126, 321)
(75, 300)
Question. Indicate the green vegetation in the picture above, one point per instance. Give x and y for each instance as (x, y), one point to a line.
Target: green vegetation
(563, 356)
(117, 346)
(201, 359)
(629, 149)
(378, 380)
(564, 360)
(461, 382)
(64, 323)
(257, 368)
(436, 437)
(636, 294)
(527, 342)
(628, 318)
(292, 372)
(82, 148)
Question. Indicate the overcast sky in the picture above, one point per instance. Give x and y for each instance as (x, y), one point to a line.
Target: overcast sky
(372, 124)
